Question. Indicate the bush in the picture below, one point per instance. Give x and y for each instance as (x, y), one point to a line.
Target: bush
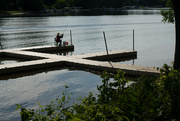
(145, 99)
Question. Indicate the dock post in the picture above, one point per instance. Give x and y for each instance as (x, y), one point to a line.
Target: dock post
(105, 43)
(106, 48)
(71, 36)
(133, 39)
(1, 46)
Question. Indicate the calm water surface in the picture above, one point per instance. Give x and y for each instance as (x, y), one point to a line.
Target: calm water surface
(154, 42)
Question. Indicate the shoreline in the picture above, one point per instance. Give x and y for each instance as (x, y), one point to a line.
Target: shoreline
(77, 12)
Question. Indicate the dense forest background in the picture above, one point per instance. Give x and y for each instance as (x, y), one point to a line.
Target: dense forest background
(36, 5)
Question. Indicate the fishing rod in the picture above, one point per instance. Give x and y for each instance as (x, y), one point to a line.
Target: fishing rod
(65, 27)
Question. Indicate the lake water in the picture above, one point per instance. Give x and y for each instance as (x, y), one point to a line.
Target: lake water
(154, 43)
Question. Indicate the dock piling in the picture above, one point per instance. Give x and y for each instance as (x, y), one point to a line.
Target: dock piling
(133, 39)
(71, 37)
(106, 46)
(1, 46)
(105, 43)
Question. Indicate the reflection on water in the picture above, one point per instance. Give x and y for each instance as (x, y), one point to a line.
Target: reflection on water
(119, 12)
(36, 88)
(7, 60)
(154, 43)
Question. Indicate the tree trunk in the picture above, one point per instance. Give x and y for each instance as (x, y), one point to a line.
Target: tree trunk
(175, 113)
(177, 27)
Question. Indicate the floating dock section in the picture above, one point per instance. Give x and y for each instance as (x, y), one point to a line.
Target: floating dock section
(115, 56)
(39, 58)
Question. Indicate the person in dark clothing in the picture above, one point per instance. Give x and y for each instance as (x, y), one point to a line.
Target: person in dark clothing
(58, 39)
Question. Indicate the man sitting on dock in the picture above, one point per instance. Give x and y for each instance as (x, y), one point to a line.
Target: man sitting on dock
(58, 39)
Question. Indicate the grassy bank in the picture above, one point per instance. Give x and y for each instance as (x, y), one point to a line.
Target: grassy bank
(11, 13)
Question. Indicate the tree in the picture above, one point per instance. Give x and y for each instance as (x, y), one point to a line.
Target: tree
(172, 16)
(6, 5)
(49, 2)
(176, 4)
(30, 5)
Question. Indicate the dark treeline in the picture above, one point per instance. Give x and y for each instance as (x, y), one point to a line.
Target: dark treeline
(35, 5)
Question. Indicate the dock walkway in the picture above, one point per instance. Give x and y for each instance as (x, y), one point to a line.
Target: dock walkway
(37, 58)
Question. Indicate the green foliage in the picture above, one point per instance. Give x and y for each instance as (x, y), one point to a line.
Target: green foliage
(144, 99)
(55, 111)
(171, 80)
(31, 5)
(168, 15)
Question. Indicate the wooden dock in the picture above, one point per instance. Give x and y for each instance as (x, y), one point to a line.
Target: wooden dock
(38, 58)
(119, 55)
